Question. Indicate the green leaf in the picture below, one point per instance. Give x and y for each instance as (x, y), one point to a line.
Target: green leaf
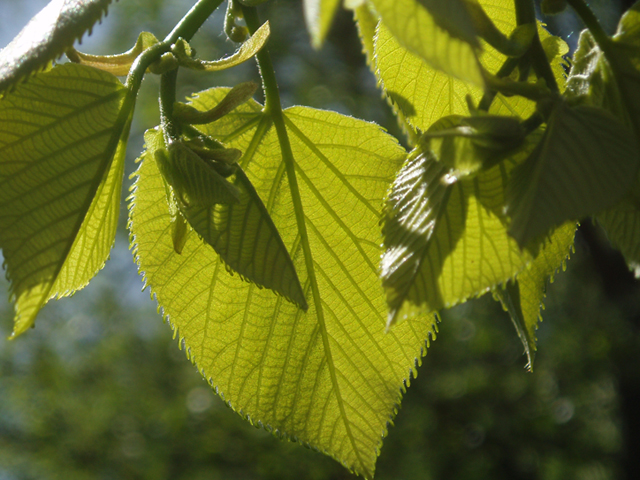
(47, 36)
(585, 163)
(60, 190)
(318, 15)
(246, 51)
(442, 35)
(228, 216)
(622, 225)
(446, 242)
(422, 94)
(272, 362)
(524, 298)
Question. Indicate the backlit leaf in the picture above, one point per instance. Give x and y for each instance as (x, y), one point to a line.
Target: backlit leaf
(422, 94)
(622, 224)
(443, 35)
(272, 362)
(585, 163)
(60, 184)
(47, 36)
(446, 242)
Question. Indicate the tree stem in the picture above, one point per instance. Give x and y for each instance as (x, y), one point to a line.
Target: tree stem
(525, 13)
(591, 21)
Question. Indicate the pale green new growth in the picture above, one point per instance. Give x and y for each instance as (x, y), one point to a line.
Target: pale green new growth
(318, 15)
(60, 185)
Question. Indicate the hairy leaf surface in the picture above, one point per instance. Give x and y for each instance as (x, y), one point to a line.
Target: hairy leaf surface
(271, 361)
(60, 185)
(585, 163)
(54, 29)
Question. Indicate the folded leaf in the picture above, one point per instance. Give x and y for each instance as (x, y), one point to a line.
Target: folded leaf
(47, 36)
(59, 182)
(270, 360)
(585, 163)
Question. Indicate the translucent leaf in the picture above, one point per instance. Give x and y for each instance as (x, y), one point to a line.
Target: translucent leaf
(586, 161)
(443, 36)
(422, 94)
(47, 36)
(524, 298)
(246, 51)
(60, 184)
(446, 242)
(318, 15)
(274, 363)
(234, 222)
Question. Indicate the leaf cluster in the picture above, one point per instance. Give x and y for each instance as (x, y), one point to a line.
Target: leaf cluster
(258, 228)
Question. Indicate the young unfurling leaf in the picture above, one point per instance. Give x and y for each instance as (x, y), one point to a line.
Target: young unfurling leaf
(117, 64)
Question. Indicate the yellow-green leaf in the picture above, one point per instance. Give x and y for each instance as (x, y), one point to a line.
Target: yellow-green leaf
(47, 36)
(272, 362)
(441, 35)
(446, 242)
(60, 185)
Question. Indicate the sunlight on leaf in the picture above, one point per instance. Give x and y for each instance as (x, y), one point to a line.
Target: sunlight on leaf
(446, 242)
(47, 36)
(271, 361)
(60, 191)
(585, 163)
(435, 36)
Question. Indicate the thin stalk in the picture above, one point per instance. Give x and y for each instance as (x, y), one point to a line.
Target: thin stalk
(590, 20)
(273, 109)
(507, 67)
(525, 13)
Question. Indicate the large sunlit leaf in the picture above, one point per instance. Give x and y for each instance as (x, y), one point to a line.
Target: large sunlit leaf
(272, 362)
(585, 163)
(60, 185)
(441, 34)
(446, 242)
(47, 36)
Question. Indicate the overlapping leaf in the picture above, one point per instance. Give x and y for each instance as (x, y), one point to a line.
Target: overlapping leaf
(446, 242)
(54, 29)
(60, 185)
(441, 33)
(421, 94)
(271, 361)
(585, 163)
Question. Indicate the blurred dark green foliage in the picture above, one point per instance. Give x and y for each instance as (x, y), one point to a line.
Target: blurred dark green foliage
(99, 390)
